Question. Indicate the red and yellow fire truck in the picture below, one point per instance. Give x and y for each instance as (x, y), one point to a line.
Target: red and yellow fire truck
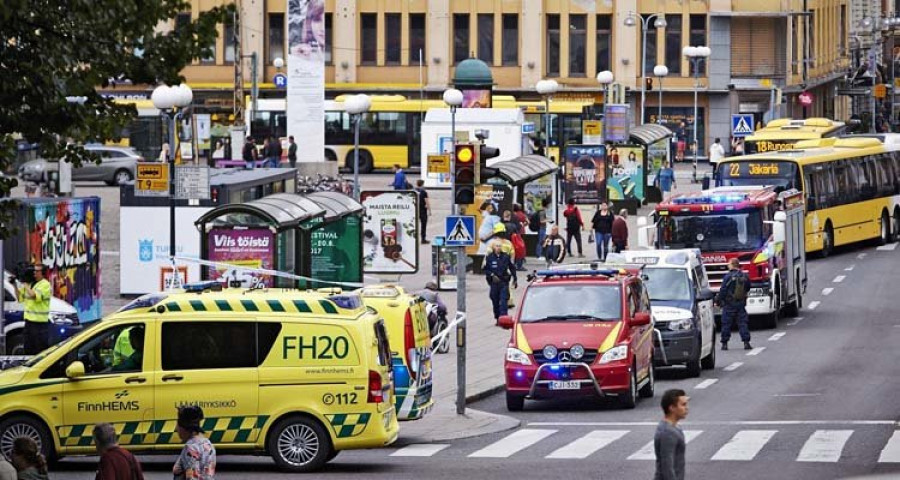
(760, 227)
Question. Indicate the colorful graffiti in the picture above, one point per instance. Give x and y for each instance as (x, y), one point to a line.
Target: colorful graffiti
(64, 236)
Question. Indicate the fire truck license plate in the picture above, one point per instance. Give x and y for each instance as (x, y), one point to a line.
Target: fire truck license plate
(565, 385)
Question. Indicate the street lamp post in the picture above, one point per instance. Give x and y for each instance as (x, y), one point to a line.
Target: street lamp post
(454, 98)
(696, 55)
(547, 88)
(660, 71)
(172, 102)
(356, 106)
(659, 21)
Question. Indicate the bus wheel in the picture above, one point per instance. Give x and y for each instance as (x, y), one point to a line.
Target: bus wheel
(828, 240)
(887, 229)
(896, 224)
(330, 156)
(365, 161)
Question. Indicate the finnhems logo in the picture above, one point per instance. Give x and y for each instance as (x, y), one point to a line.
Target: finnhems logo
(145, 250)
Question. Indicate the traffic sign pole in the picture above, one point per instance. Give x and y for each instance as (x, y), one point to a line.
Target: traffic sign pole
(460, 287)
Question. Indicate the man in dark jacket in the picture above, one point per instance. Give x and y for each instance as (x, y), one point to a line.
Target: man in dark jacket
(249, 154)
(620, 231)
(602, 223)
(732, 297)
(498, 270)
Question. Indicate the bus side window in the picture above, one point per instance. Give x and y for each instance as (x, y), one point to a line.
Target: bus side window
(811, 192)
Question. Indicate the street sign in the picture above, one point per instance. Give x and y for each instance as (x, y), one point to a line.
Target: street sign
(460, 231)
(280, 80)
(191, 182)
(741, 125)
(152, 180)
(527, 127)
(592, 132)
(439, 163)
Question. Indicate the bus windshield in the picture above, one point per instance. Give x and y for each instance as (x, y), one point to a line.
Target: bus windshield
(733, 231)
(741, 173)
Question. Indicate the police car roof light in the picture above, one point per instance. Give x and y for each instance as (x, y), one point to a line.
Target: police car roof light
(197, 287)
(579, 273)
(346, 301)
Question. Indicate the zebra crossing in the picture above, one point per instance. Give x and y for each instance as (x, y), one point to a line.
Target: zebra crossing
(809, 444)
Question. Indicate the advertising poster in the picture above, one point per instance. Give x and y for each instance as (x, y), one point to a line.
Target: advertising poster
(336, 250)
(616, 124)
(490, 202)
(626, 173)
(536, 191)
(680, 120)
(306, 76)
(64, 236)
(585, 173)
(480, 98)
(390, 226)
(658, 156)
(251, 247)
(443, 267)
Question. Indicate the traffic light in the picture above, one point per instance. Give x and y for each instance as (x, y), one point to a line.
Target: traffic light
(648, 83)
(486, 173)
(464, 174)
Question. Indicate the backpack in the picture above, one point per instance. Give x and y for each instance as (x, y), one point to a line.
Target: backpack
(739, 287)
(534, 222)
(518, 245)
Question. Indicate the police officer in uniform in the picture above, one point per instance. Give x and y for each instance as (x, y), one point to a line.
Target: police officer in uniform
(734, 303)
(499, 268)
(35, 295)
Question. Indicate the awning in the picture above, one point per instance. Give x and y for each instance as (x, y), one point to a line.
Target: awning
(336, 205)
(524, 169)
(281, 210)
(649, 133)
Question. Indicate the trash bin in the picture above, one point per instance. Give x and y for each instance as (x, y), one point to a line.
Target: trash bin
(704, 182)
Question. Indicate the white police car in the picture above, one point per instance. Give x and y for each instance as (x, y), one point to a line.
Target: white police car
(682, 306)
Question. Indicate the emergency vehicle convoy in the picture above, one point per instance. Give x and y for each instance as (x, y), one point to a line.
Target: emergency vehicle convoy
(763, 229)
(581, 330)
(296, 375)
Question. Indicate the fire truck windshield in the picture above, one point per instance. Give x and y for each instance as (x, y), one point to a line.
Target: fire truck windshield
(730, 231)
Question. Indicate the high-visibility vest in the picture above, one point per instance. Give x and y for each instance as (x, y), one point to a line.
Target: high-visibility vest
(37, 309)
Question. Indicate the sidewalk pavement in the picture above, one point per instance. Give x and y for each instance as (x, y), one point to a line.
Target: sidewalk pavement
(485, 343)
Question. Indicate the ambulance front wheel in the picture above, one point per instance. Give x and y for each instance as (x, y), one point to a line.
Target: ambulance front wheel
(300, 444)
(26, 426)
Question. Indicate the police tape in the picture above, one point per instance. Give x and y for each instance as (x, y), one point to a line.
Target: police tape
(265, 271)
(436, 340)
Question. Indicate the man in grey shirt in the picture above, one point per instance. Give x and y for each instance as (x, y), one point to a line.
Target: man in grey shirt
(668, 443)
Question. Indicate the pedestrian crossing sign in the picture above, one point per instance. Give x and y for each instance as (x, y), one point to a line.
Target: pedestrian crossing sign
(460, 231)
(741, 125)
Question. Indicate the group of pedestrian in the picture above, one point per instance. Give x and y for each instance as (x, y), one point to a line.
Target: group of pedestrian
(271, 153)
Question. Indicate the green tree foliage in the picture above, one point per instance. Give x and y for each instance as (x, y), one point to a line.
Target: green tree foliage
(53, 49)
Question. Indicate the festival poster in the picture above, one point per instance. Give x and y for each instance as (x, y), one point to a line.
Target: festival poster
(336, 251)
(626, 173)
(306, 77)
(390, 226)
(250, 248)
(480, 98)
(585, 173)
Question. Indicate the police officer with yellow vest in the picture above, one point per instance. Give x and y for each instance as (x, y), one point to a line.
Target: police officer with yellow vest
(35, 298)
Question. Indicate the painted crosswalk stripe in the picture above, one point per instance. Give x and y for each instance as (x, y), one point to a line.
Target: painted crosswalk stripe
(813, 305)
(588, 444)
(891, 452)
(734, 366)
(824, 446)
(646, 452)
(839, 278)
(777, 336)
(706, 383)
(827, 291)
(861, 256)
(756, 351)
(744, 445)
(850, 268)
(420, 450)
(795, 321)
(513, 443)
(889, 247)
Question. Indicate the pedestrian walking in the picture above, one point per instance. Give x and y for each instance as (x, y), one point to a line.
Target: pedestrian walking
(266, 152)
(164, 153)
(34, 294)
(620, 231)
(498, 270)
(666, 179)
(716, 152)
(400, 182)
(737, 146)
(228, 152)
(292, 152)
(543, 226)
(27, 458)
(197, 460)
(424, 209)
(732, 297)
(668, 442)
(116, 463)
(249, 154)
(602, 223)
(574, 224)
(275, 152)
(554, 247)
(511, 223)
(519, 217)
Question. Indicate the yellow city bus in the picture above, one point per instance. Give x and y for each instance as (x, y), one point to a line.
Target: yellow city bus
(784, 133)
(390, 131)
(851, 186)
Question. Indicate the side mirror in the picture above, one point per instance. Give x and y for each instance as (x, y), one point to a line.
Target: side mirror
(75, 370)
(705, 294)
(505, 322)
(641, 318)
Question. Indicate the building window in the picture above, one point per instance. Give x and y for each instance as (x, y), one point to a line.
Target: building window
(416, 37)
(276, 36)
(673, 44)
(698, 37)
(811, 39)
(510, 39)
(182, 21)
(392, 31)
(328, 39)
(577, 45)
(460, 37)
(552, 45)
(650, 59)
(842, 31)
(368, 38)
(604, 40)
(795, 45)
(486, 38)
(229, 42)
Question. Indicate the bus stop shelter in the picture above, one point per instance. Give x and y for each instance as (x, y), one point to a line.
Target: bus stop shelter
(654, 142)
(318, 236)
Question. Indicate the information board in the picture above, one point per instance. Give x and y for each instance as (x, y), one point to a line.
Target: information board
(191, 182)
(152, 180)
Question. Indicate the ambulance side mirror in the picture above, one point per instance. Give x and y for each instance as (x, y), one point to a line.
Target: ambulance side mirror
(75, 370)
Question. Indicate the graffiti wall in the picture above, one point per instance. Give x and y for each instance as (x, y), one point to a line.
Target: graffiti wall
(64, 236)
